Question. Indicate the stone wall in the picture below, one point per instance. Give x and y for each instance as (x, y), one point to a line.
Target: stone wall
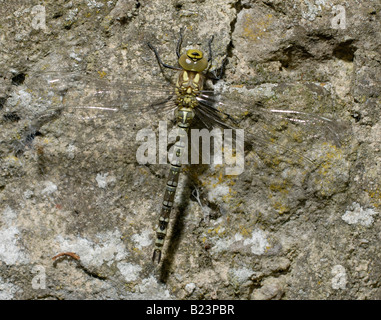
(307, 227)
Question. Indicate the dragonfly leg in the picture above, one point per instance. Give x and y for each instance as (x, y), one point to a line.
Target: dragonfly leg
(217, 73)
(161, 63)
(179, 42)
(214, 75)
(210, 58)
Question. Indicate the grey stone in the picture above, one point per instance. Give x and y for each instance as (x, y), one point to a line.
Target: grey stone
(277, 231)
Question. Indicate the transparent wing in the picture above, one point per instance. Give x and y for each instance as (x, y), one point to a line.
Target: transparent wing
(45, 96)
(73, 90)
(274, 132)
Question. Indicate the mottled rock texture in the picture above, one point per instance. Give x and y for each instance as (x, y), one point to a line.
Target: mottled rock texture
(273, 232)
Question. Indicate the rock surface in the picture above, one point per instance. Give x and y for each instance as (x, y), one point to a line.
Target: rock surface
(273, 232)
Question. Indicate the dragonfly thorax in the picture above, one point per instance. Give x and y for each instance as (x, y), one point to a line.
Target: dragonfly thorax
(188, 87)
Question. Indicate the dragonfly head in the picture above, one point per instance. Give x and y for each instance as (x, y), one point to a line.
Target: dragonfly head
(193, 60)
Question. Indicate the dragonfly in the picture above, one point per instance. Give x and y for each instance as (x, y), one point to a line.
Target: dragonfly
(191, 101)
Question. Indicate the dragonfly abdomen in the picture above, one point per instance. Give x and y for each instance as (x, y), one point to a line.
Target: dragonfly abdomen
(185, 117)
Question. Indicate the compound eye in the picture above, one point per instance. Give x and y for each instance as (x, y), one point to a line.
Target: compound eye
(193, 60)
